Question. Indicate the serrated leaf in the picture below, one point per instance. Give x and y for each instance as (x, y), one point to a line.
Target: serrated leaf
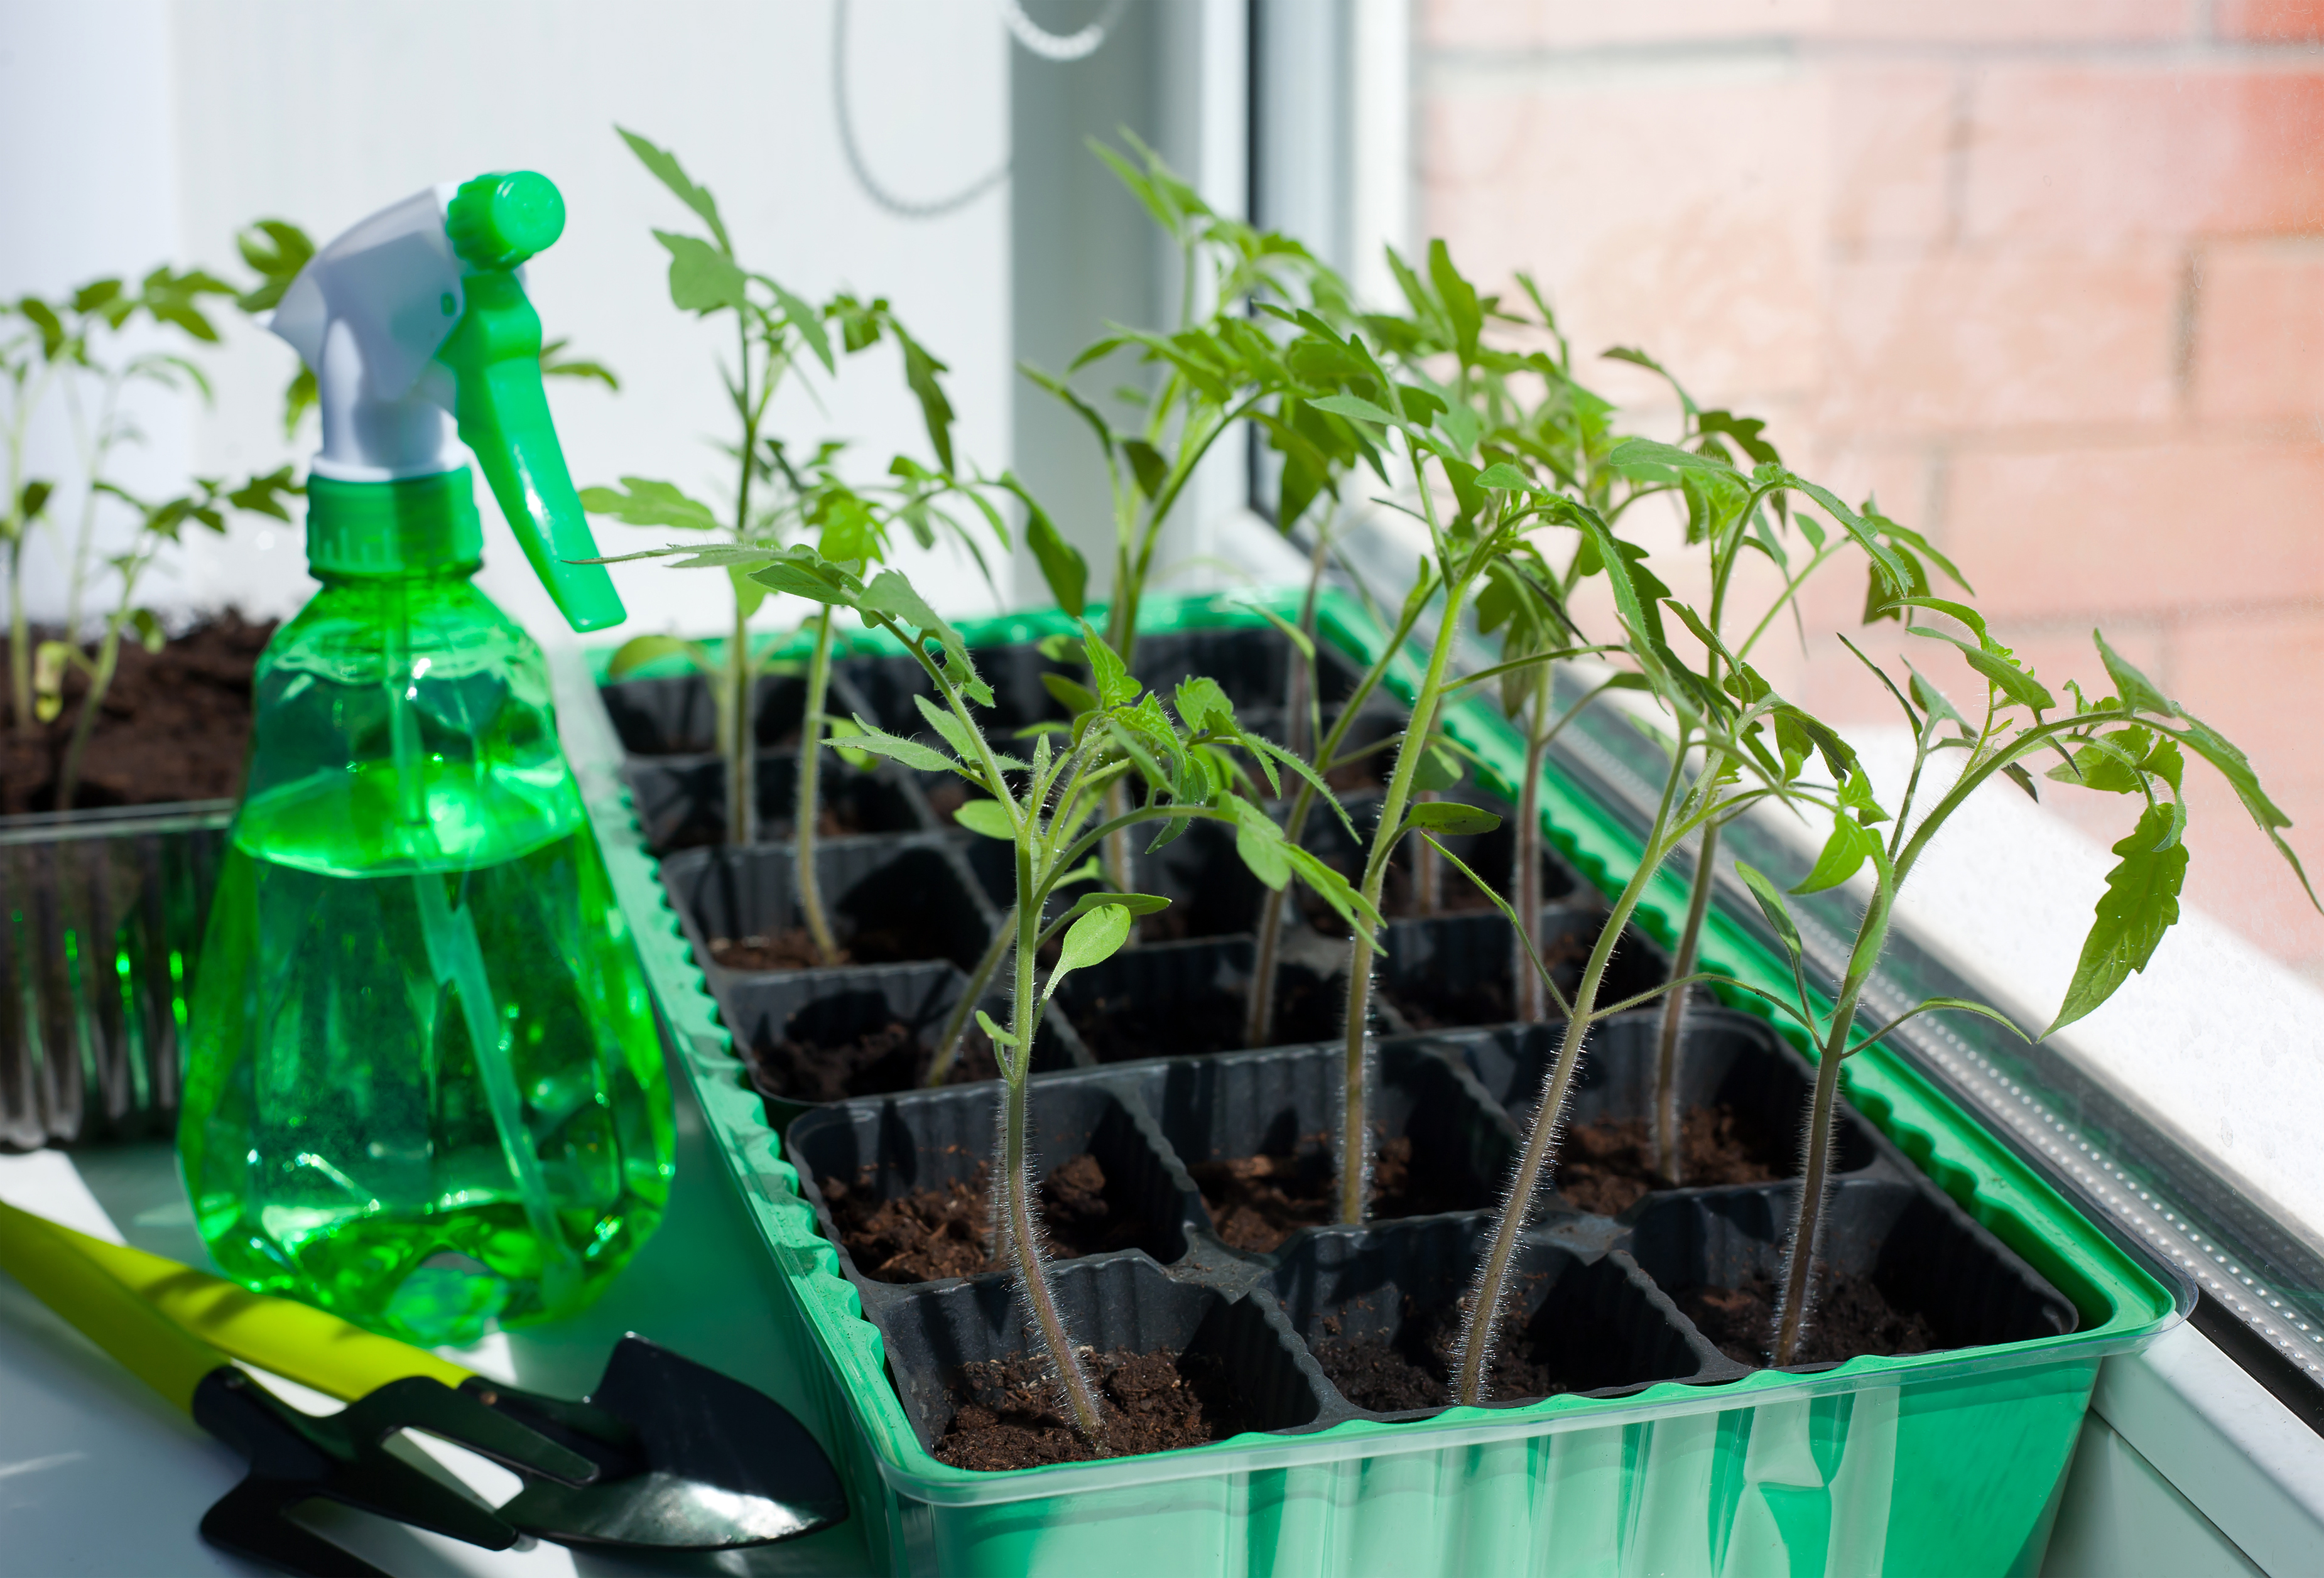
(1203, 704)
(2141, 902)
(1451, 816)
(2014, 681)
(1355, 408)
(667, 169)
(987, 817)
(948, 726)
(1502, 475)
(1635, 452)
(1116, 686)
(2137, 692)
(1260, 844)
(702, 279)
(643, 502)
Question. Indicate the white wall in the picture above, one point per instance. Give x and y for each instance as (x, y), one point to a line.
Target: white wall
(141, 131)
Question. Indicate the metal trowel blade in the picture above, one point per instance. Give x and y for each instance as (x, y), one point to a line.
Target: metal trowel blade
(720, 1465)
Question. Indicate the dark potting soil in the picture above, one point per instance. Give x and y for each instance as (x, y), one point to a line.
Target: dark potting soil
(1852, 1315)
(1121, 1029)
(1011, 1416)
(1256, 1202)
(793, 949)
(891, 1058)
(1608, 1166)
(1414, 1368)
(947, 1232)
(174, 725)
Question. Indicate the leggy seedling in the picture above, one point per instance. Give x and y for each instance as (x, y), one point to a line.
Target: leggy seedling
(773, 499)
(1727, 720)
(2134, 743)
(1049, 809)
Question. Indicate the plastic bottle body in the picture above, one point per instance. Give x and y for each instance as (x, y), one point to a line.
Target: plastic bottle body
(425, 1089)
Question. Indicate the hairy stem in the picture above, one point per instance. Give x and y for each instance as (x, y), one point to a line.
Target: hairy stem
(810, 807)
(964, 1013)
(1524, 874)
(1795, 1288)
(1491, 1288)
(1669, 1159)
(1016, 1164)
(1354, 1145)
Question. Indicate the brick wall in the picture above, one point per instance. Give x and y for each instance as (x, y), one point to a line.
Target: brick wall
(2046, 276)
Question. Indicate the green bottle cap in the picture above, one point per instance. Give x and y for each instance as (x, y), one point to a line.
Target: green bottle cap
(497, 221)
(407, 528)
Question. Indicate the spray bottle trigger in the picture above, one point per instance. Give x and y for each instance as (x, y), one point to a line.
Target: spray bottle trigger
(495, 355)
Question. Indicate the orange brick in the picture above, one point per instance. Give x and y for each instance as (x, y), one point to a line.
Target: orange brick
(2094, 155)
(1694, 227)
(2247, 674)
(2276, 21)
(1968, 341)
(2099, 533)
(1892, 130)
(1473, 24)
(2259, 332)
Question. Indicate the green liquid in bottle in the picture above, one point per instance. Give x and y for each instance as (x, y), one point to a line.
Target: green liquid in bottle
(426, 1089)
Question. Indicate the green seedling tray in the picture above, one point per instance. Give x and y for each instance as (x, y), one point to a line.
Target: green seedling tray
(1944, 1463)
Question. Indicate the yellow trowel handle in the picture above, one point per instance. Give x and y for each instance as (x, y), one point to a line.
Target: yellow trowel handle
(151, 1346)
(291, 1340)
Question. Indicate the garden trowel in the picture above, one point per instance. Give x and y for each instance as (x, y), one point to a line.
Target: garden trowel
(684, 1458)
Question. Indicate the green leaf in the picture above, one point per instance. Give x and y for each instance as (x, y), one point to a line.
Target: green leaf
(921, 370)
(2237, 769)
(148, 626)
(1000, 1038)
(849, 535)
(1460, 298)
(988, 817)
(1451, 816)
(1771, 905)
(2138, 693)
(1260, 843)
(1063, 568)
(948, 727)
(1137, 903)
(702, 279)
(554, 364)
(1638, 451)
(1203, 704)
(910, 752)
(1851, 844)
(1072, 695)
(1355, 408)
(1116, 686)
(1440, 767)
(641, 650)
(1093, 939)
(2014, 681)
(666, 168)
(2140, 904)
(647, 502)
(1335, 890)
(805, 321)
(1146, 465)
(1502, 475)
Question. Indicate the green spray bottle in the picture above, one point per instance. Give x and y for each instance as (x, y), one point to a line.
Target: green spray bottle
(426, 1089)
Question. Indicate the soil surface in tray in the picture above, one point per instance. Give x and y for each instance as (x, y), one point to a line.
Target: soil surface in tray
(947, 1232)
(1608, 1166)
(891, 1058)
(1414, 1368)
(1850, 1315)
(1121, 1029)
(174, 725)
(919, 938)
(1256, 1202)
(1010, 1415)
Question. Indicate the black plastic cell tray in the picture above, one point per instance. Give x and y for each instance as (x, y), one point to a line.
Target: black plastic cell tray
(681, 801)
(675, 715)
(869, 887)
(836, 1007)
